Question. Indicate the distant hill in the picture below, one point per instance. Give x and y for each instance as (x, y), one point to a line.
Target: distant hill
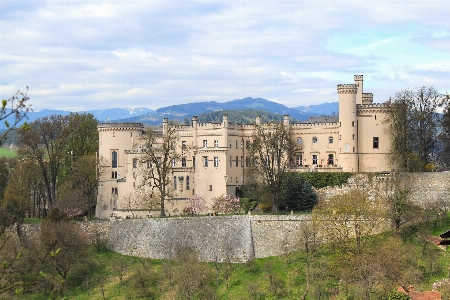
(181, 112)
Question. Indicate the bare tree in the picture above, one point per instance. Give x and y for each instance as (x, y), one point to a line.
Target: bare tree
(270, 153)
(158, 151)
(412, 123)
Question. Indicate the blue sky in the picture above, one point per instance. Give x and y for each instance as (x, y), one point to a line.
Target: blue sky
(83, 55)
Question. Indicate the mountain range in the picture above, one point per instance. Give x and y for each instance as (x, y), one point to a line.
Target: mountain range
(186, 111)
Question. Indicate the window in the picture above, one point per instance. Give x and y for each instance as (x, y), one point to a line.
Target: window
(174, 182)
(205, 144)
(314, 159)
(205, 161)
(237, 161)
(267, 160)
(134, 184)
(231, 161)
(183, 145)
(353, 149)
(114, 159)
(172, 146)
(193, 161)
(375, 117)
(149, 164)
(353, 123)
(242, 144)
(188, 183)
(183, 162)
(242, 161)
(299, 141)
(330, 159)
(330, 140)
(131, 134)
(353, 136)
(135, 163)
(114, 175)
(174, 162)
(247, 161)
(216, 161)
(229, 143)
(134, 175)
(314, 140)
(114, 134)
(299, 160)
(237, 144)
(216, 143)
(210, 187)
(114, 191)
(247, 144)
(375, 142)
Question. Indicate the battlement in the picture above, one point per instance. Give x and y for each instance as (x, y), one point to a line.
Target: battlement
(358, 77)
(367, 98)
(372, 105)
(119, 125)
(347, 88)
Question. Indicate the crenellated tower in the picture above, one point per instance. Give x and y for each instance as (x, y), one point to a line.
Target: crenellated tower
(348, 127)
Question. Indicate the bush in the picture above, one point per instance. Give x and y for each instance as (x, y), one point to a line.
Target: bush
(57, 215)
(228, 204)
(247, 204)
(265, 207)
(195, 205)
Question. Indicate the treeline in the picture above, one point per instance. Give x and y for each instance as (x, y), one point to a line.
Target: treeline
(55, 167)
(246, 116)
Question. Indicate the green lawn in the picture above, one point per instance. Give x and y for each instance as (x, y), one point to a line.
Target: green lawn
(7, 153)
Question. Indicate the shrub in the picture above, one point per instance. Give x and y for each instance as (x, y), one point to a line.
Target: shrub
(195, 205)
(228, 204)
(247, 204)
(265, 207)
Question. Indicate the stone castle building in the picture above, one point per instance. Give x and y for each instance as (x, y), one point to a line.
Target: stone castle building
(357, 142)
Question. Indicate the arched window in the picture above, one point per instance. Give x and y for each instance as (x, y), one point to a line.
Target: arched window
(330, 140)
(314, 139)
(299, 141)
(114, 159)
(188, 183)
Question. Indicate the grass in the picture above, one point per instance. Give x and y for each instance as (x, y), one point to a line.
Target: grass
(7, 153)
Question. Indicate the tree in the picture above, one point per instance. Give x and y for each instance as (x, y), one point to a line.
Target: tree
(297, 193)
(270, 153)
(157, 151)
(229, 204)
(444, 135)
(14, 113)
(45, 143)
(195, 205)
(80, 188)
(412, 124)
(398, 207)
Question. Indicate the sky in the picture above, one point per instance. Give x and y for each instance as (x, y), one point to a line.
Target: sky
(87, 55)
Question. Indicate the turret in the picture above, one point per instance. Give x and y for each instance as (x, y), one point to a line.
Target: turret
(165, 126)
(359, 84)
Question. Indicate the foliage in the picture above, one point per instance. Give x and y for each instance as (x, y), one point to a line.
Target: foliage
(320, 180)
(226, 204)
(195, 205)
(247, 204)
(13, 111)
(412, 122)
(265, 207)
(270, 153)
(5, 153)
(57, 215)
(297, 193)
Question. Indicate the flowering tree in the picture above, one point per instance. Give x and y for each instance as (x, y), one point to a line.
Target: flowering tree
(195, 205)
(226, 204)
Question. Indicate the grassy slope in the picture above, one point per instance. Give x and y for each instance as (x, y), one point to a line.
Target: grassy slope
(7, 153)
(244, 276)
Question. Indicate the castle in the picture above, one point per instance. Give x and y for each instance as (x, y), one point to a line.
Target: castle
(358, 142)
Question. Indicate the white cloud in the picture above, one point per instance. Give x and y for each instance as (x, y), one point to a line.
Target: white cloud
(100, 54)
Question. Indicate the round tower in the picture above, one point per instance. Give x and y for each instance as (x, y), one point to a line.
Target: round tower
(348, 127)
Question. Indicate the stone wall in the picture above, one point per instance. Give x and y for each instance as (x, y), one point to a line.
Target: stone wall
(228, 238)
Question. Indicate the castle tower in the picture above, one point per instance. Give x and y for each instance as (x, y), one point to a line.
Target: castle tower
(348, 127)
(165, 126)
(359, 84)
(114, 139)
(286, 122)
